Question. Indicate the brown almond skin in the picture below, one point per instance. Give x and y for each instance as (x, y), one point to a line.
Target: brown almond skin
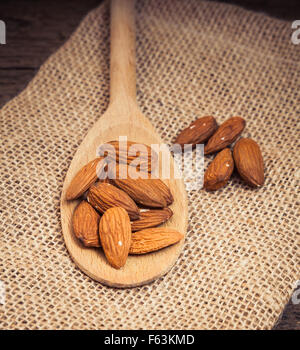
(249, 162)
(166, 192)
(84, 178)
(147, 158)
(219, 171)
(152, 193)
(103, 196)
(226, 134)
(152, 239)
(85, 223)
(197, 132)
(149, 192)
(115, 235)
(151, 218)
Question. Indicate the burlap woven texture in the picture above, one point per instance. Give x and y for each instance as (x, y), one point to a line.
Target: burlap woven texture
(239, 263)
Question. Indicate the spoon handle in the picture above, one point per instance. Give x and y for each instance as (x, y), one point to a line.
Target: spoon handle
(122, 51)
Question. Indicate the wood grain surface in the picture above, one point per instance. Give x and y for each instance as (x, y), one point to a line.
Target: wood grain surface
(35, 29)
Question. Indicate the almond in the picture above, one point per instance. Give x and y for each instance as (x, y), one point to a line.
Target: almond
(131, 153)
(147, 192)
(219, 170)
(103, 196)
(226, 134)
(165, 191)
(152, 239)
(151, 218)
(152, 193)
(85, 224)
(249, 161)
(197, 132)
(115, 235)
(84, 178)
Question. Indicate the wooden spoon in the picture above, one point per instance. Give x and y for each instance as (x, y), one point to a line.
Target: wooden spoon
(122, 118)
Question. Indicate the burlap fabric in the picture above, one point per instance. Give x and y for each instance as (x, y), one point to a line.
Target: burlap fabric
(239, 263)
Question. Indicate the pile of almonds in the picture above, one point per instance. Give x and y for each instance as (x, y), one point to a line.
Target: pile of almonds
(121, 215)
(246, 156)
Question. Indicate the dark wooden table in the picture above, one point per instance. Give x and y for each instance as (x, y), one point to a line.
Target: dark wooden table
(36, 28)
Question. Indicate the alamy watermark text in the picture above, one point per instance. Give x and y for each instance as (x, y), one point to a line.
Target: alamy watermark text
(2, 32)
